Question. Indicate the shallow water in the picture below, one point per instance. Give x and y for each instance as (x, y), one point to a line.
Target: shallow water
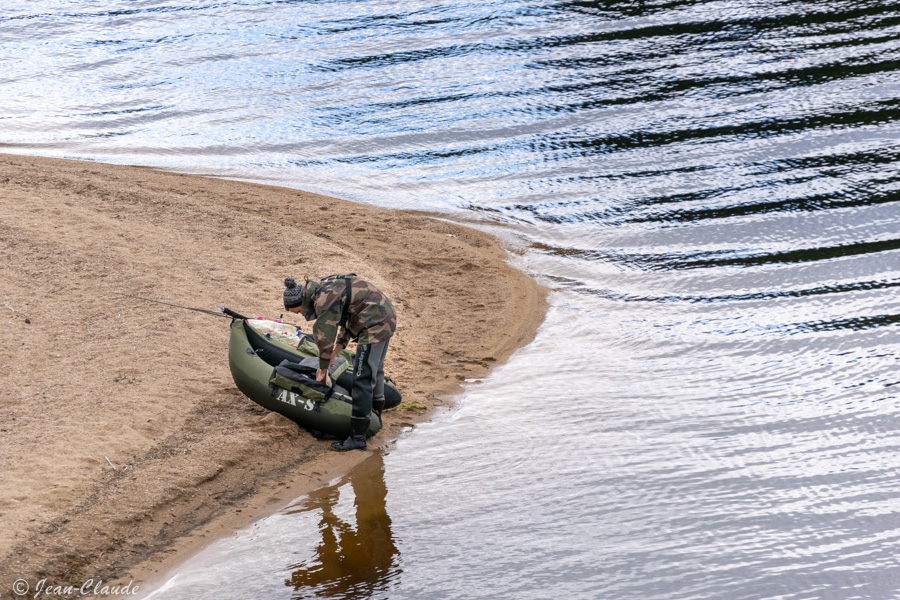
(710, 189)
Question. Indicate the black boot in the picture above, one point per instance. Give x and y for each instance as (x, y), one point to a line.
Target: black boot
(357, 438)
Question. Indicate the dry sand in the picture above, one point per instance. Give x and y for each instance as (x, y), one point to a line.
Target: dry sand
(123, 439)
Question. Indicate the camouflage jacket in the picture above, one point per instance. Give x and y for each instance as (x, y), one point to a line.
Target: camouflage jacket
(370, 319)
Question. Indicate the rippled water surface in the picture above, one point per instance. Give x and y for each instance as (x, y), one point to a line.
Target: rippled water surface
(711, 191)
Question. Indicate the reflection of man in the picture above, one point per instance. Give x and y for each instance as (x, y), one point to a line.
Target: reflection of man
(351, 562)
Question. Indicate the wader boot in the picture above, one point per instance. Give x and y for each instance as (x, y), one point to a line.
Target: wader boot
(357, 438)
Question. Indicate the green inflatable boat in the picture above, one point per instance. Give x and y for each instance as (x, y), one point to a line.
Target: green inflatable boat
(274, 364)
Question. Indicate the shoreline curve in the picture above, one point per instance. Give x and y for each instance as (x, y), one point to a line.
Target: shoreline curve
(124, 444)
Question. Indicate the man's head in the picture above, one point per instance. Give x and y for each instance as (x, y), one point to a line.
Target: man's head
(293, 295)
(298, 298)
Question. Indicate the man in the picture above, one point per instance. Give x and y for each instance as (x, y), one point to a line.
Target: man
(360, 311)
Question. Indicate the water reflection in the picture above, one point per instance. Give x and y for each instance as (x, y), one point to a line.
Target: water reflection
(712, 189)
(356, 556)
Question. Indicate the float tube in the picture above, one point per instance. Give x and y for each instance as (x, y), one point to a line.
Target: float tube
(274, 365)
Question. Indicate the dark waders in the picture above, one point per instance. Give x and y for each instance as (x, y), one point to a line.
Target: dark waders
(367, 392)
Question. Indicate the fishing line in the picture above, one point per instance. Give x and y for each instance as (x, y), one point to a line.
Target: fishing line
(222, 312)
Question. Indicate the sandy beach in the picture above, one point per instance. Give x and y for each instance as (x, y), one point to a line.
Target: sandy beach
(123, 440)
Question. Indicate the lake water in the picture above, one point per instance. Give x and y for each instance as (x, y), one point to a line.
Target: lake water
(709, 188)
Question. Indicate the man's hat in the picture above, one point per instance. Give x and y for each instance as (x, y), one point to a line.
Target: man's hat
(293, 294)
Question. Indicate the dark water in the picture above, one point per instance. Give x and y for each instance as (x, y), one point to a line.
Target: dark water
(710, 189)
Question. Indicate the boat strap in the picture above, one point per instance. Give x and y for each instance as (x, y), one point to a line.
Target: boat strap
(297, 378)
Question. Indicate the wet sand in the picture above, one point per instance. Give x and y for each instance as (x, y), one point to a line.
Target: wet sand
(123, 440)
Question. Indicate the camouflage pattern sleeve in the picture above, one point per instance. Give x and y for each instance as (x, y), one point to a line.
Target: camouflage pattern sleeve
(325, 329)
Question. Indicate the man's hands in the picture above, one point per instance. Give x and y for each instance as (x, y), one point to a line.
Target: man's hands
(322, 374)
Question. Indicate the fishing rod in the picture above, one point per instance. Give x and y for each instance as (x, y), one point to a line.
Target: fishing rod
(222, 312)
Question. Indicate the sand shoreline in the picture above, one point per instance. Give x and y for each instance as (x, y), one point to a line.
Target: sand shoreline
(123, 441)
